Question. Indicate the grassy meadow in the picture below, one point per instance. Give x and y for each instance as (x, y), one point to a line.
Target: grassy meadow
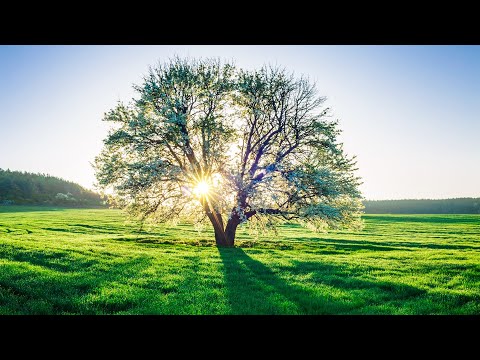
(85, 261)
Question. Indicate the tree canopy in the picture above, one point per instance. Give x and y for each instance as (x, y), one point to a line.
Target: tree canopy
(206, 140)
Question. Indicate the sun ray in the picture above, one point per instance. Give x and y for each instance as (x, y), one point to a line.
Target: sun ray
(202, 188)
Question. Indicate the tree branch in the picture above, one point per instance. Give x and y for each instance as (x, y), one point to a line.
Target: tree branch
(285, 214)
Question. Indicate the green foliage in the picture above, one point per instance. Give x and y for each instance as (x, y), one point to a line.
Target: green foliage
(260, 138)
(443, 206)
(91, 261)
(24, 188)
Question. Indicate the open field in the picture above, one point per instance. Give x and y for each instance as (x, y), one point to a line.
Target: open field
(59, 261)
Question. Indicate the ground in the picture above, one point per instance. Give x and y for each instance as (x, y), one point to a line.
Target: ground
(85, 261)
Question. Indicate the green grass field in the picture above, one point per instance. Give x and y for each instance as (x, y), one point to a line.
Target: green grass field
(58, 261)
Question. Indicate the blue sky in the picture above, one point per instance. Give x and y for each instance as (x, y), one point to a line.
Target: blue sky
(411, 114)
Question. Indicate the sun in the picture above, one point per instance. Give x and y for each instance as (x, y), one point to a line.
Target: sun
(202, 188)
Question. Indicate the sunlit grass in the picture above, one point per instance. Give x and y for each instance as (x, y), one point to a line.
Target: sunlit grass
(57, 261)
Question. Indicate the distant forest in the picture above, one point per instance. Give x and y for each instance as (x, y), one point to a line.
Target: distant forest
(24, 188)
(444, 206)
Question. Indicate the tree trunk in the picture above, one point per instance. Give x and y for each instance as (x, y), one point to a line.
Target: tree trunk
(220, 238)
(217, 223)
(230, 231)
(223, 237)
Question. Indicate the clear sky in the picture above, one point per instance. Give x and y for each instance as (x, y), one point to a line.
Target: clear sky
(411, 114)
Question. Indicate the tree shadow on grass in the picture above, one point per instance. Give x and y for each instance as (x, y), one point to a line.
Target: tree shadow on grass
(304, 288)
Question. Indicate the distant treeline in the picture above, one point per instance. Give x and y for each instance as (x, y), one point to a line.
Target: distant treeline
(444, 206)
(24, 188)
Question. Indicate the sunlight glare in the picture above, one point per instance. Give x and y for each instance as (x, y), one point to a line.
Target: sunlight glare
(202, 188)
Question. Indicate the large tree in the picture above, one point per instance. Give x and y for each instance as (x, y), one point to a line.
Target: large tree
(203, 137)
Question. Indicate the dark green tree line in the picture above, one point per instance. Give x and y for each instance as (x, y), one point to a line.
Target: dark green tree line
(425, 206)
(24, 188)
